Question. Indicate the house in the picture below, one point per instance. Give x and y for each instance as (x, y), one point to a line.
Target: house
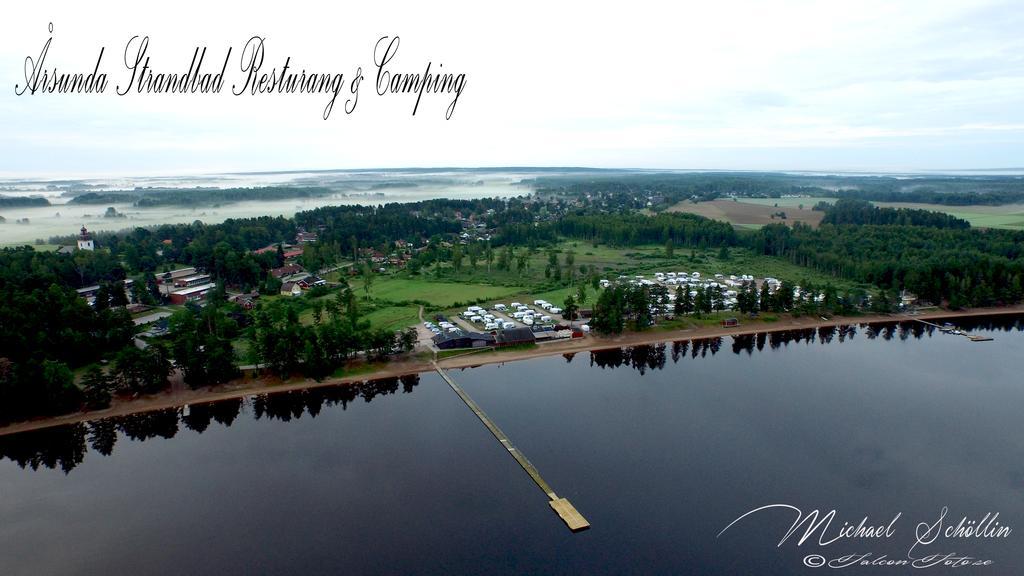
(172, 275)
(310, 281)
(191, 294)
(455, 340)
(190, 281)
(295, 253)
(730, 322)
(291, 289)
(88, 292)
(296, 278)
(286, 270)
(515, 337)
(246, 301)
(303, 237)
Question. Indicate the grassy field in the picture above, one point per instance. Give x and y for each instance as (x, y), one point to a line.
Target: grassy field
(441, 294)
(393, 317)
(612, 262)
(1009, 216)
(742, 213)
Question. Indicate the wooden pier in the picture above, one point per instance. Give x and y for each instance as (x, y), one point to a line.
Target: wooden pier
(573, 519)
(956, 331)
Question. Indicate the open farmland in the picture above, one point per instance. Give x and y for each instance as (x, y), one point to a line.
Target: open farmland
(1007, 216)
(750, 214)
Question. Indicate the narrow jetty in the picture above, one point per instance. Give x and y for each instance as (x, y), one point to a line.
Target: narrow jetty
(573, 519)
(956, 331)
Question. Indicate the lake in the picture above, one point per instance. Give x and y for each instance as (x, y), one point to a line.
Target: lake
(659, 447)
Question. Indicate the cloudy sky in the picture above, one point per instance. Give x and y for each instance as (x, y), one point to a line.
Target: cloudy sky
(868, 85)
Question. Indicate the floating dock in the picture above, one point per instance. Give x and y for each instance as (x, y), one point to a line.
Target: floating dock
(573, 519)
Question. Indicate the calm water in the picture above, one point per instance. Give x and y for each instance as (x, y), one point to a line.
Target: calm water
(659, 447)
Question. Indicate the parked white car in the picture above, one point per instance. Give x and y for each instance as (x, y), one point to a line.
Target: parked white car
(507, 325)
(555, 310)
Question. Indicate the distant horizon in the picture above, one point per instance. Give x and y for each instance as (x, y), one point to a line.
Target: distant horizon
(29, 177)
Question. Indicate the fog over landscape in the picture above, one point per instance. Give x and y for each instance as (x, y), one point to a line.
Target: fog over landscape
(61, 218)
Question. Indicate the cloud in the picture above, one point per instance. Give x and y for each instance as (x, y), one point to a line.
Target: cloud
(800, 84)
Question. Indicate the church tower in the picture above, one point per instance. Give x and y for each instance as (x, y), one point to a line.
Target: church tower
(85, 240)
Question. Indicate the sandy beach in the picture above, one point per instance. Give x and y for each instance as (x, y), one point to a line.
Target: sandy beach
(248, 386)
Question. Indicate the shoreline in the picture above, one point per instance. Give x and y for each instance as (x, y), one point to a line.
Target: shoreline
(245, 387)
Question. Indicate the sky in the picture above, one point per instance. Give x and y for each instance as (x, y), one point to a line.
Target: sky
(797, 85)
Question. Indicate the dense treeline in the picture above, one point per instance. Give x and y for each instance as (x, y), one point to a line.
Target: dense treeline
(961, 192)
(633, 229)
(22, 202)
(149, 197)
(954, 266)
(278, 340)
(849, 211)
(662, 189)
(658, 190)
(46, 329)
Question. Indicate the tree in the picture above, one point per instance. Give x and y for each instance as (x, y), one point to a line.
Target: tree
(723, 253)
(670, 249)
(407, 339)
(96, 388)
(142, 371)
(457, 257)
(882, 304)
(569, 308)
(581, 294)
(367, 279)
(684, 301)
(765, 299)
(58, 385)
(570, 259)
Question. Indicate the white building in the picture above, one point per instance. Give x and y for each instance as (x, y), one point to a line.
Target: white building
(85, 240)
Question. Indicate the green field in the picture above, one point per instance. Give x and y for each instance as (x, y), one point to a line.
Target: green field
(1009, 216)
(394, 317)
(646, 260)
(787, 202)
(440, 294)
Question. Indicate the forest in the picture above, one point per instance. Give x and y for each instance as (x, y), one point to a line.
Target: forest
(956, 267)
(149, 197)
(850, 211)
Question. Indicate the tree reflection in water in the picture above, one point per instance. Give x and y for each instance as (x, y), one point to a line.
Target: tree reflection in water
(64, 447)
